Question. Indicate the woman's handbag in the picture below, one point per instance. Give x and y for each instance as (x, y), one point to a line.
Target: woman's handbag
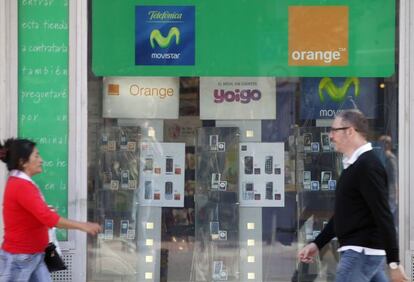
(52, 259)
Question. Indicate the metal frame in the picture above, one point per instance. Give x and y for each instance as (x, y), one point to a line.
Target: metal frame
(78, 123)
(8, 80)
(406, 132)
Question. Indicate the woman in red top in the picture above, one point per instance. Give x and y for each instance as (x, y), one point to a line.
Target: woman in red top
(27, 216)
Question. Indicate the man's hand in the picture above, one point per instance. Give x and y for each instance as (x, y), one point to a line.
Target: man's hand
(308, 253)
(398, 275)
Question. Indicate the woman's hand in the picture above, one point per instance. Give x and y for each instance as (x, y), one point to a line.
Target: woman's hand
(91, 228)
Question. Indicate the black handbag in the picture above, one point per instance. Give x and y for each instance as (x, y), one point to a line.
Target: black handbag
(52, 259)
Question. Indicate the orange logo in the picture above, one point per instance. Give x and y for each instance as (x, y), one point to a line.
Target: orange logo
(318, 35)
(113, 89)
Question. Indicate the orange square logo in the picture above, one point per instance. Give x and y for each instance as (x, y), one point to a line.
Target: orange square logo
(113, 89)
(318, 35)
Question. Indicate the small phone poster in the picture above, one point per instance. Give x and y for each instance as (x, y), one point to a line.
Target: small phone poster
(219, 271)
(123, 233)
(214, 230)
(162, 174)
(326, 142)
(262, 174)
(109, 229)
(124, 179)
(326, 176)
(307, 142)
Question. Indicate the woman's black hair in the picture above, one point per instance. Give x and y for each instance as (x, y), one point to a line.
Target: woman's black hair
(16, 152)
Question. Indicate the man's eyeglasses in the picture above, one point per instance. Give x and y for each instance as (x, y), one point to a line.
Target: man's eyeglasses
(334, 129)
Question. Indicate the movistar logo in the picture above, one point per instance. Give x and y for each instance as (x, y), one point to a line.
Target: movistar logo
(164, 42)
(337, 94)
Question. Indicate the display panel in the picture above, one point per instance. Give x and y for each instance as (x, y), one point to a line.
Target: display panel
(262, 175)
(115, 200)
(162, 174)
(217, 207)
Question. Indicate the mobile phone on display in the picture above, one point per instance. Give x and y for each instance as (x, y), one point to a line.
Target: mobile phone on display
(109, 229)
(168, 190)
(124, 228)
(213, 142)
(248, 164)
(215, 180)
(148, 164)
(148, 190)
(268, 164)
(269, 191)
(249, 187)
(124, 179)
(169, 165)
(214, 227)
(123, 140)
(248, 191)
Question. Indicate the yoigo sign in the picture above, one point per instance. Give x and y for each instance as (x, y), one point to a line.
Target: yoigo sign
(237, 98)
(243, 96)
(164, 35)
(324, 98)
(141, 97)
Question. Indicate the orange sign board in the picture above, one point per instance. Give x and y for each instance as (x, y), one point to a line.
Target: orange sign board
(318, 35)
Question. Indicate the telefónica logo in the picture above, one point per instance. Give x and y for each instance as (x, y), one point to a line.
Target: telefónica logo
(164, 42)
(337, 94)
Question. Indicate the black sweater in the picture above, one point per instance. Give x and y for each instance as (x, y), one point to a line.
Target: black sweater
(362, 216)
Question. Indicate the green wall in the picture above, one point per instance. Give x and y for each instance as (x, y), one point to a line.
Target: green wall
(43, 37)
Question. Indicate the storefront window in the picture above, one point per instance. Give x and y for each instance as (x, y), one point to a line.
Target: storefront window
(222, 178)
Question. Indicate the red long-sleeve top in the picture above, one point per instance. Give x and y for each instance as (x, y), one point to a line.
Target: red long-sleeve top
(26, 218)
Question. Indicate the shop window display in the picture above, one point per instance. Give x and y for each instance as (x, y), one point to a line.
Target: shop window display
(206, 238)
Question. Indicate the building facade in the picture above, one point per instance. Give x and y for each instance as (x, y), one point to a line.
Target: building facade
(196, 134)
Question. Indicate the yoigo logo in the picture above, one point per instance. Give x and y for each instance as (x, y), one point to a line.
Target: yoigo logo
(164, 42)
(243, 96)
(337, 94)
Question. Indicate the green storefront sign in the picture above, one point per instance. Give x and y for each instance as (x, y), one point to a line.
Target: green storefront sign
(43, 93)
(244, 38)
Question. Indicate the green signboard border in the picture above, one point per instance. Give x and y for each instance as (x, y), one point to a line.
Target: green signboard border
(245, 38)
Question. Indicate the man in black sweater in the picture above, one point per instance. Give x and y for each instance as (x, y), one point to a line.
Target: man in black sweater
(362, 219)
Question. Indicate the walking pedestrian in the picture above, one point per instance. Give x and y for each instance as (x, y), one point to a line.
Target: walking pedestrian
(362, 220)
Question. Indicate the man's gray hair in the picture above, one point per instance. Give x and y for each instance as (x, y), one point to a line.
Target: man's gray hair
(356, 119)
